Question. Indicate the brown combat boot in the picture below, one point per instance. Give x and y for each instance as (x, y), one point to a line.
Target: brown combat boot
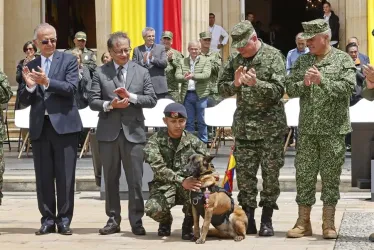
(302, 227)
(328, 226)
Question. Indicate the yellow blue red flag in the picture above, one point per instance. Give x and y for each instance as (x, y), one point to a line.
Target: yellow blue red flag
(228, 180)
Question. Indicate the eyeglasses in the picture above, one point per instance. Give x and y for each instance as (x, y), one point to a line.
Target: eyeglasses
(27, 49)
(126, 51)
(46, 41)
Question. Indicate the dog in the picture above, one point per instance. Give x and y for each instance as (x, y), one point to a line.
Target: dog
(214, 204)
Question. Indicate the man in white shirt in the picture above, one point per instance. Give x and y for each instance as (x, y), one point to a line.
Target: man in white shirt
(219, 35)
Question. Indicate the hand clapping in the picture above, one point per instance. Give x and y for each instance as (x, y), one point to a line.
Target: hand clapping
(312, 76)
(369, 74)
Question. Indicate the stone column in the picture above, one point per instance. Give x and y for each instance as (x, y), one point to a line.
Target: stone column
(227, 15)
(1, 35)
(356, 25)
(103, 9)
(195, 19)
(20, 19)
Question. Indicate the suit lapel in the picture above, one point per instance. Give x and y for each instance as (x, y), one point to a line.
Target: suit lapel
(130, 74)
(55, 60)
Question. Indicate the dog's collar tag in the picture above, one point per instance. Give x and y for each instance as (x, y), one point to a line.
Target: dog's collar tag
(206, 195)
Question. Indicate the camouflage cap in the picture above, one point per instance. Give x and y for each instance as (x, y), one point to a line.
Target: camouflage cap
(205, 35)
(314, 27)
(240, 34)
(80, 35)
(175, 110)
(167, 34)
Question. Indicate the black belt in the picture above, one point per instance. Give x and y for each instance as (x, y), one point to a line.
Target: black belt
(191, 91)
(46, 117)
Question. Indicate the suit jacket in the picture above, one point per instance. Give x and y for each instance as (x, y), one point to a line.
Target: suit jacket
(364, 59)
(58, 99)
(334, 26)
(130, 119)
(156, 67)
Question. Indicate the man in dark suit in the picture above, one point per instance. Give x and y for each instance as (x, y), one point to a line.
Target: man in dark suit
(153, 57)
(333, 20)
(120, 89)
(364, 59)
(50, 83)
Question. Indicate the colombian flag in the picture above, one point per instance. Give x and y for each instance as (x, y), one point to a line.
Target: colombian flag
(132, 16)
(228, 180)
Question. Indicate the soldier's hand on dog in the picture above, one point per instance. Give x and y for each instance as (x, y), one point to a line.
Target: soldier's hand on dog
(191, 184)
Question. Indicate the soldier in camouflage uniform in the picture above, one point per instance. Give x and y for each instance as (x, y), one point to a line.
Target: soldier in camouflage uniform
(324, 79)
(88, 55)
(256, 73)
(173, 57)
(168, 152)
(5, 95)
(368, 93)
(216, 62)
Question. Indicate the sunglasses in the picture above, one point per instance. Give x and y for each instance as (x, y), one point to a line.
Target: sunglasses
(46, 41)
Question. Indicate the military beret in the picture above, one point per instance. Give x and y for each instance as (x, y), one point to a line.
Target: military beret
(167, 34)
(80, 35)
(175, 110)
(313, 28)
(240, 34)
(205, 35)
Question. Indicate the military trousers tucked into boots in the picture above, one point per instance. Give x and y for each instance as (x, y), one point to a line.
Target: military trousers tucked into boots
(324, 154)
(249, 155)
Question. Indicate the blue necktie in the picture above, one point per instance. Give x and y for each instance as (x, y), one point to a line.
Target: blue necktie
(46, 66)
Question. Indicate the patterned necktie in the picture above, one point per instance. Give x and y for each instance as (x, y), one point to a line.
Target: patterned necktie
(120, 74)
(46, 66)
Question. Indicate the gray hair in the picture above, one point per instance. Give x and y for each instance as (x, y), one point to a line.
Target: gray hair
(327, 33)
(146, 29)
(298, 36)
(43, 26)
(114, 37)
(194, 42)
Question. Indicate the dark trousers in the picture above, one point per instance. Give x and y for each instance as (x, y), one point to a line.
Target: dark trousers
(55, 157)
(131, 155)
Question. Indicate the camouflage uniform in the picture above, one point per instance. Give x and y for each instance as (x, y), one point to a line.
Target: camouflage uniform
(173, 84)
(259, 120)
(167, 163)
(5, 95)
(88, 55)
(216, 62)
(324, 119)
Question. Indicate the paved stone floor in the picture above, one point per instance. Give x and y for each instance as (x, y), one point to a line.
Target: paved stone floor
(19, 218)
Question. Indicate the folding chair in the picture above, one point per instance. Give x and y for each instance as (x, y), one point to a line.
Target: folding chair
(21, 120)
(292, 109)
(89, 119)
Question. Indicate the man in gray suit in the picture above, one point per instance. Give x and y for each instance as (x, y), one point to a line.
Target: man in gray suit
(120, 89)
(153, 57)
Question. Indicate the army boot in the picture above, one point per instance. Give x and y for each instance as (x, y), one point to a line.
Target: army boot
(187, 232)
(250, 212)
(164, 229)
(328, 226)
(1, 197)
(302, 227)
(266, 228)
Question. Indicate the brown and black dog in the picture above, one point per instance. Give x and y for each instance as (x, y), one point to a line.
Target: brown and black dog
(216, 206)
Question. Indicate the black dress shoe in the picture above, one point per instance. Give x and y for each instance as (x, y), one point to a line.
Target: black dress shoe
(110, 229)
(138, 230)
(46, 229)
(64, 230)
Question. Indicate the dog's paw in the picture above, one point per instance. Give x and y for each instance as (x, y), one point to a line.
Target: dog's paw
(195, 238)
(238, 238)
(200, 241)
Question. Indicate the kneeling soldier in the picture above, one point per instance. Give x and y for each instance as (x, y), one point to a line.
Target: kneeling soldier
(168, 152)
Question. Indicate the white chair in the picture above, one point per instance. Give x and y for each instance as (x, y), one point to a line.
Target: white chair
(22, 121)
(362, 112)
(220, 116)
(89, 119)
(153, 116)
(292, 109)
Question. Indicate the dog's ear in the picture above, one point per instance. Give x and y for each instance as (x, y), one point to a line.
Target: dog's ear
(208, 159)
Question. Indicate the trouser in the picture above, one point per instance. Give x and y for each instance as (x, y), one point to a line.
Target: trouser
(324, 154)
(249, 155)
(2, 166)
(163, 198)
(195, 108)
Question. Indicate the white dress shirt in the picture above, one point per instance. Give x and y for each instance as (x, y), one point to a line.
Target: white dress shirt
(133, 97)
(217, 31)
(32, 89)
(192, 83)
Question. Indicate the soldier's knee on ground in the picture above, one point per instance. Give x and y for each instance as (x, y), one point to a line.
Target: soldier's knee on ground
(156, 211)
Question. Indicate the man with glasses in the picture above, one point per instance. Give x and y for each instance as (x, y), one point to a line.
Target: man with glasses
(120, 89)
(255, 74)
(88, 55)
(153, 57)
(50, 82)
